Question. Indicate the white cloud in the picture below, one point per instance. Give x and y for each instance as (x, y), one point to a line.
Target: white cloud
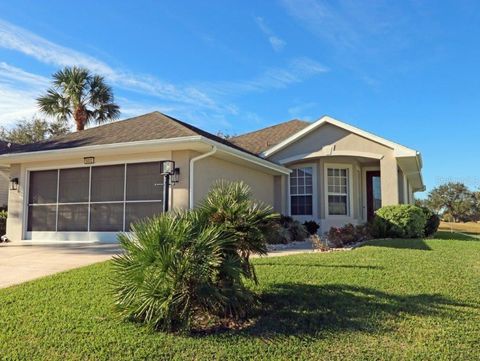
(276, 43)
(297, 71)
(203, 104)
(16, 38)
(299, 111)
(18, 90)
(323, 20)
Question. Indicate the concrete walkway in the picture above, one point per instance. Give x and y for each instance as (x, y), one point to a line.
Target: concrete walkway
(21, 263)
(25, 262)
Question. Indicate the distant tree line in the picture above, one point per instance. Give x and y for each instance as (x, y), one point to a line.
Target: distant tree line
(454, 202)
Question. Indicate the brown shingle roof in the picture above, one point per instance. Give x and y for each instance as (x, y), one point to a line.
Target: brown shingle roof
(263, 139)
(149, 126)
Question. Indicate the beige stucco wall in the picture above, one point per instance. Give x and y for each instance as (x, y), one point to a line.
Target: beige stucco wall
(4, 186)
(15, 205)
(212, 169)
(328, 135)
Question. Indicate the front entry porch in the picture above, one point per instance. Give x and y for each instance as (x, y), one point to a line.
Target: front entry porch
(338, 190)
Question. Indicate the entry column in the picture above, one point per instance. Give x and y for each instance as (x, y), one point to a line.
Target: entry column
(389, 180)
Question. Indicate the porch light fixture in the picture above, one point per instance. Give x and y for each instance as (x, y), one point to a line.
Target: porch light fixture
(170, 177)
(89, 160)
(13, 184)
(168, 167)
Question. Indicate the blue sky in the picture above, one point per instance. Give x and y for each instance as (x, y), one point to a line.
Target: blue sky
(405, 70)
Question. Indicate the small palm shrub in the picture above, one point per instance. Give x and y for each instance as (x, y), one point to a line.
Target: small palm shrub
(183, 269)
(247, 222)
(432, 223)
(399, 221)
(168, 273)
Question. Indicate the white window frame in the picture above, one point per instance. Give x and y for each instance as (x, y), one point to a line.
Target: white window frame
(77, 236)
(349, 169)
(314, 215)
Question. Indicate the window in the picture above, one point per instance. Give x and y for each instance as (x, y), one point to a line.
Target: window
(337, 191)
(97, 198)
(301, 191)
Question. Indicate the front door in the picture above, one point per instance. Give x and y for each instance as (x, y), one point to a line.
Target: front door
(374, 193)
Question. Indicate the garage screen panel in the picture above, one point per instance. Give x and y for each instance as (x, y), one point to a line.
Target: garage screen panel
(43, 187)
(144, 182)
(73, 185)
(72, 217)
(108, 183)
(135, 212)
(42, 218)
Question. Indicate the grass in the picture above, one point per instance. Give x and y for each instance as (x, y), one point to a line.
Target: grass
(395, 299)
(469, 227)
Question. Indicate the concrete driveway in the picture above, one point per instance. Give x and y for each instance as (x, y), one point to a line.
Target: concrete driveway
(21, 263)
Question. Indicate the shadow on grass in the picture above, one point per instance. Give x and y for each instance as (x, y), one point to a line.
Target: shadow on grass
(306, 265)
(307, 310)
(456, 236)
(416, 244)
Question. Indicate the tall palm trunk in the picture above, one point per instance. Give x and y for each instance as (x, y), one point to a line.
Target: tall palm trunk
(80, 117)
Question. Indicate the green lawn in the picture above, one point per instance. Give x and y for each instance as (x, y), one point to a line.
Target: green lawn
(401, 299)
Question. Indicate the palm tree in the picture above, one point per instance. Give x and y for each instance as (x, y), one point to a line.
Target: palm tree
(81, 95)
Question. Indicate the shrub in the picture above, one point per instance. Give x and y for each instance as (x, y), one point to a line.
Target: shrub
(432, 222)
(287, 230)
(182, 269)
(3, 222)
(311, 227)
(399, 221)
(168, 273)
(339, 237)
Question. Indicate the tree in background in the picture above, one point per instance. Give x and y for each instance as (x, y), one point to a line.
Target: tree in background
(81, 95)
(34, 130)
(454, 201)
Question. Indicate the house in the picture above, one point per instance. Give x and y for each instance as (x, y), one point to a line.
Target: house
(4, 176)
(89, 185)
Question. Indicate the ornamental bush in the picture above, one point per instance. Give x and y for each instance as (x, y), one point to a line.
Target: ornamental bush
(311, 227)
(349, 234)
(432, 223)
(286, 230)
(399, 221)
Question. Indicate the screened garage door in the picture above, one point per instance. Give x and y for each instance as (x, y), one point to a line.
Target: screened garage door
(93, 199)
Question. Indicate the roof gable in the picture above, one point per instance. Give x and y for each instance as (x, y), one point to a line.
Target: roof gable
(400, 150)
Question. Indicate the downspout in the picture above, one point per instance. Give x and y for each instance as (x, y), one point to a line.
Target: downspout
(192, 178)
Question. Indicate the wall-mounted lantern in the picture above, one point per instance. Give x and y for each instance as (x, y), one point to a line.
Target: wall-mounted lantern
(89, 160)
(175, 177)
(13, 184)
